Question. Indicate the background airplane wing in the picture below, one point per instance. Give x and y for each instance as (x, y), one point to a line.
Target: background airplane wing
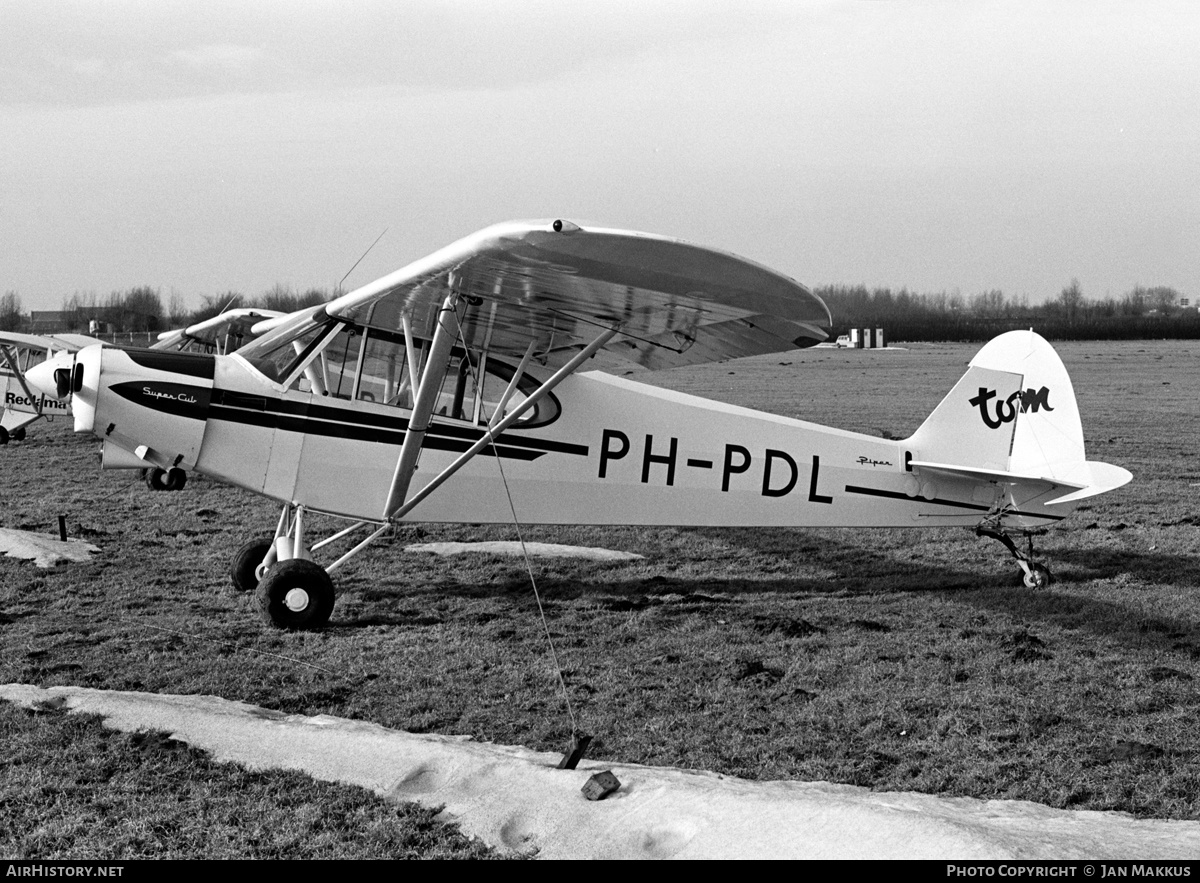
(45, 342)
(560, 285)
(227, 327)
(72, 342)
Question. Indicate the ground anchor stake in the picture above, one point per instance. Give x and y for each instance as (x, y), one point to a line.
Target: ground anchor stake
(579, 744)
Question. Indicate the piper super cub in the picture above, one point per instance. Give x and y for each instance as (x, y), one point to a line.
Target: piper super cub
(478, 348)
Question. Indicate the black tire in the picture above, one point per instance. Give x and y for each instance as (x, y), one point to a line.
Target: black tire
(18, 434)
(3, 436)
(296, 595)
(172, 479)
(245, 563)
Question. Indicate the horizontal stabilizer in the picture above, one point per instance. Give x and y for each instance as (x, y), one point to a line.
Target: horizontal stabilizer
(998, 475)
(1098, 478)
(1088, 479)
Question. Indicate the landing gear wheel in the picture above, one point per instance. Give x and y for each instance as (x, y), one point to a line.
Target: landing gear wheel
(296, 595)
(172, 479)
(1037, 578)
(18, 434)
(243, 568)
(3, 436)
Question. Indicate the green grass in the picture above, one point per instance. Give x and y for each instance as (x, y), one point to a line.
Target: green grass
(895, 660)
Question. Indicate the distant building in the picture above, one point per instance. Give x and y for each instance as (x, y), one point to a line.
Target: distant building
(866, 338)
(49, 321)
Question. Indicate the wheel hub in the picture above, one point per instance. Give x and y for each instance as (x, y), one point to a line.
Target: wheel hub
(296, 600)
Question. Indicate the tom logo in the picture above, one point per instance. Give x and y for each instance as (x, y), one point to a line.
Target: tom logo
(1006, 410)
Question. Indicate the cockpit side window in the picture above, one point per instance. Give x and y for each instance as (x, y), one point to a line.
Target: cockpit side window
(338, 363)
(353, 363)
(383, 376)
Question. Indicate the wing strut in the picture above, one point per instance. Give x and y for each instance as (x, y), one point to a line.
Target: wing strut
(425, 397)
(402, 508)
(34, 400)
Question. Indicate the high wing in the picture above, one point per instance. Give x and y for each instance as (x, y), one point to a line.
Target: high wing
(47, 342)
(222, 333)
(73, 342)
(557, 285)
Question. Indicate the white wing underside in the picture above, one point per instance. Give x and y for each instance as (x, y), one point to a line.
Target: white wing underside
(528, 282)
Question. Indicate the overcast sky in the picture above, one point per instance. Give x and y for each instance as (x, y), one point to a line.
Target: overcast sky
(942, 145)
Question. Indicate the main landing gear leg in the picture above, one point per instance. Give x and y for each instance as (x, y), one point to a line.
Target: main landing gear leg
(1033, 574)
(293, 591)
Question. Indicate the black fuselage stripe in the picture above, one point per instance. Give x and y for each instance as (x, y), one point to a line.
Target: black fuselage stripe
(899, 495)
(355, 432)
(261, 411)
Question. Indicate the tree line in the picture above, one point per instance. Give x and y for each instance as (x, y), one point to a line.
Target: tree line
(141, 309)
(1142, 313)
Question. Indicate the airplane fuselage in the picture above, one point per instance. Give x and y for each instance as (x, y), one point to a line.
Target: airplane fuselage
(613, 451)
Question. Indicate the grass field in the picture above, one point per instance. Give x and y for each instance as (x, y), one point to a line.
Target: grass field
(897, 660)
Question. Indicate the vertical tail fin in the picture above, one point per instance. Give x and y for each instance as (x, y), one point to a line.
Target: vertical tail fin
(1014, 412)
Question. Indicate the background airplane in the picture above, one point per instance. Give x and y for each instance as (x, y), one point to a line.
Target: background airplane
(222, 334)
(375, 406)
(23, 405)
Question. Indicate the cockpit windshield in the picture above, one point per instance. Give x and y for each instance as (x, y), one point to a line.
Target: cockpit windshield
(276, 354)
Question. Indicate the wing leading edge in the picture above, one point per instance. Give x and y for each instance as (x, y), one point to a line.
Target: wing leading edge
(47, 342)
(558, 285)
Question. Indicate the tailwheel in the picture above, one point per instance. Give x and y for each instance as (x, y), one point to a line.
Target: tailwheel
(297, 595)
(1033, 575)
(1038, 577)
(243, 569)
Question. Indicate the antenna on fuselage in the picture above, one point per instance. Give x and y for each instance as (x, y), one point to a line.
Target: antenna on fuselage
(360, 260)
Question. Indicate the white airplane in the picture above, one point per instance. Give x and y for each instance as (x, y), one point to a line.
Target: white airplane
(376, 407)
(23, 405)
(221, 334)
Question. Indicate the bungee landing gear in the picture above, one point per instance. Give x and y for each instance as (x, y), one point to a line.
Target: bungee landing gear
(1034, 575)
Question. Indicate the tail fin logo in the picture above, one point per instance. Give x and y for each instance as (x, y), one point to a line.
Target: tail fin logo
(1006, 410)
